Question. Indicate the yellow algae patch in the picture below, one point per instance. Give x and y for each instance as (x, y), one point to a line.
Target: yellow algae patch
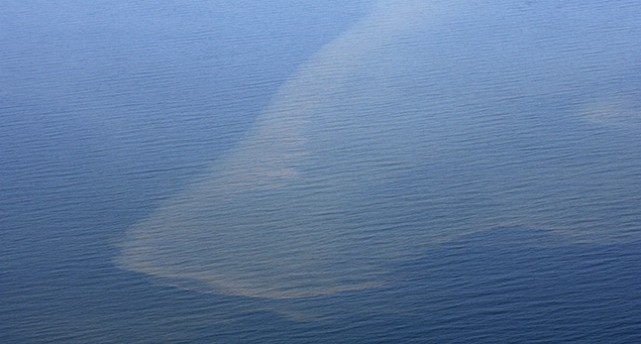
(260, 223)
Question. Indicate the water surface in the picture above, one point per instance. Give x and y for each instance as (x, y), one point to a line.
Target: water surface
(371, 171)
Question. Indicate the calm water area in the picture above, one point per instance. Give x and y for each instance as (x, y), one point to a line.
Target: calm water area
(369, 171)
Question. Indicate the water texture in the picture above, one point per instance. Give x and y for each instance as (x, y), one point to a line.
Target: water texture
(353, 171)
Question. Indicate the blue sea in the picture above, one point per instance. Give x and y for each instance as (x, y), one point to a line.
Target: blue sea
(368, 171)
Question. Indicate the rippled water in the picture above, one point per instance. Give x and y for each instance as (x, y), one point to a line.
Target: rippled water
(369, 171)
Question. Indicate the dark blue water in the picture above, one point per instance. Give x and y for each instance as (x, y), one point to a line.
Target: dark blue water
(306, 172)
